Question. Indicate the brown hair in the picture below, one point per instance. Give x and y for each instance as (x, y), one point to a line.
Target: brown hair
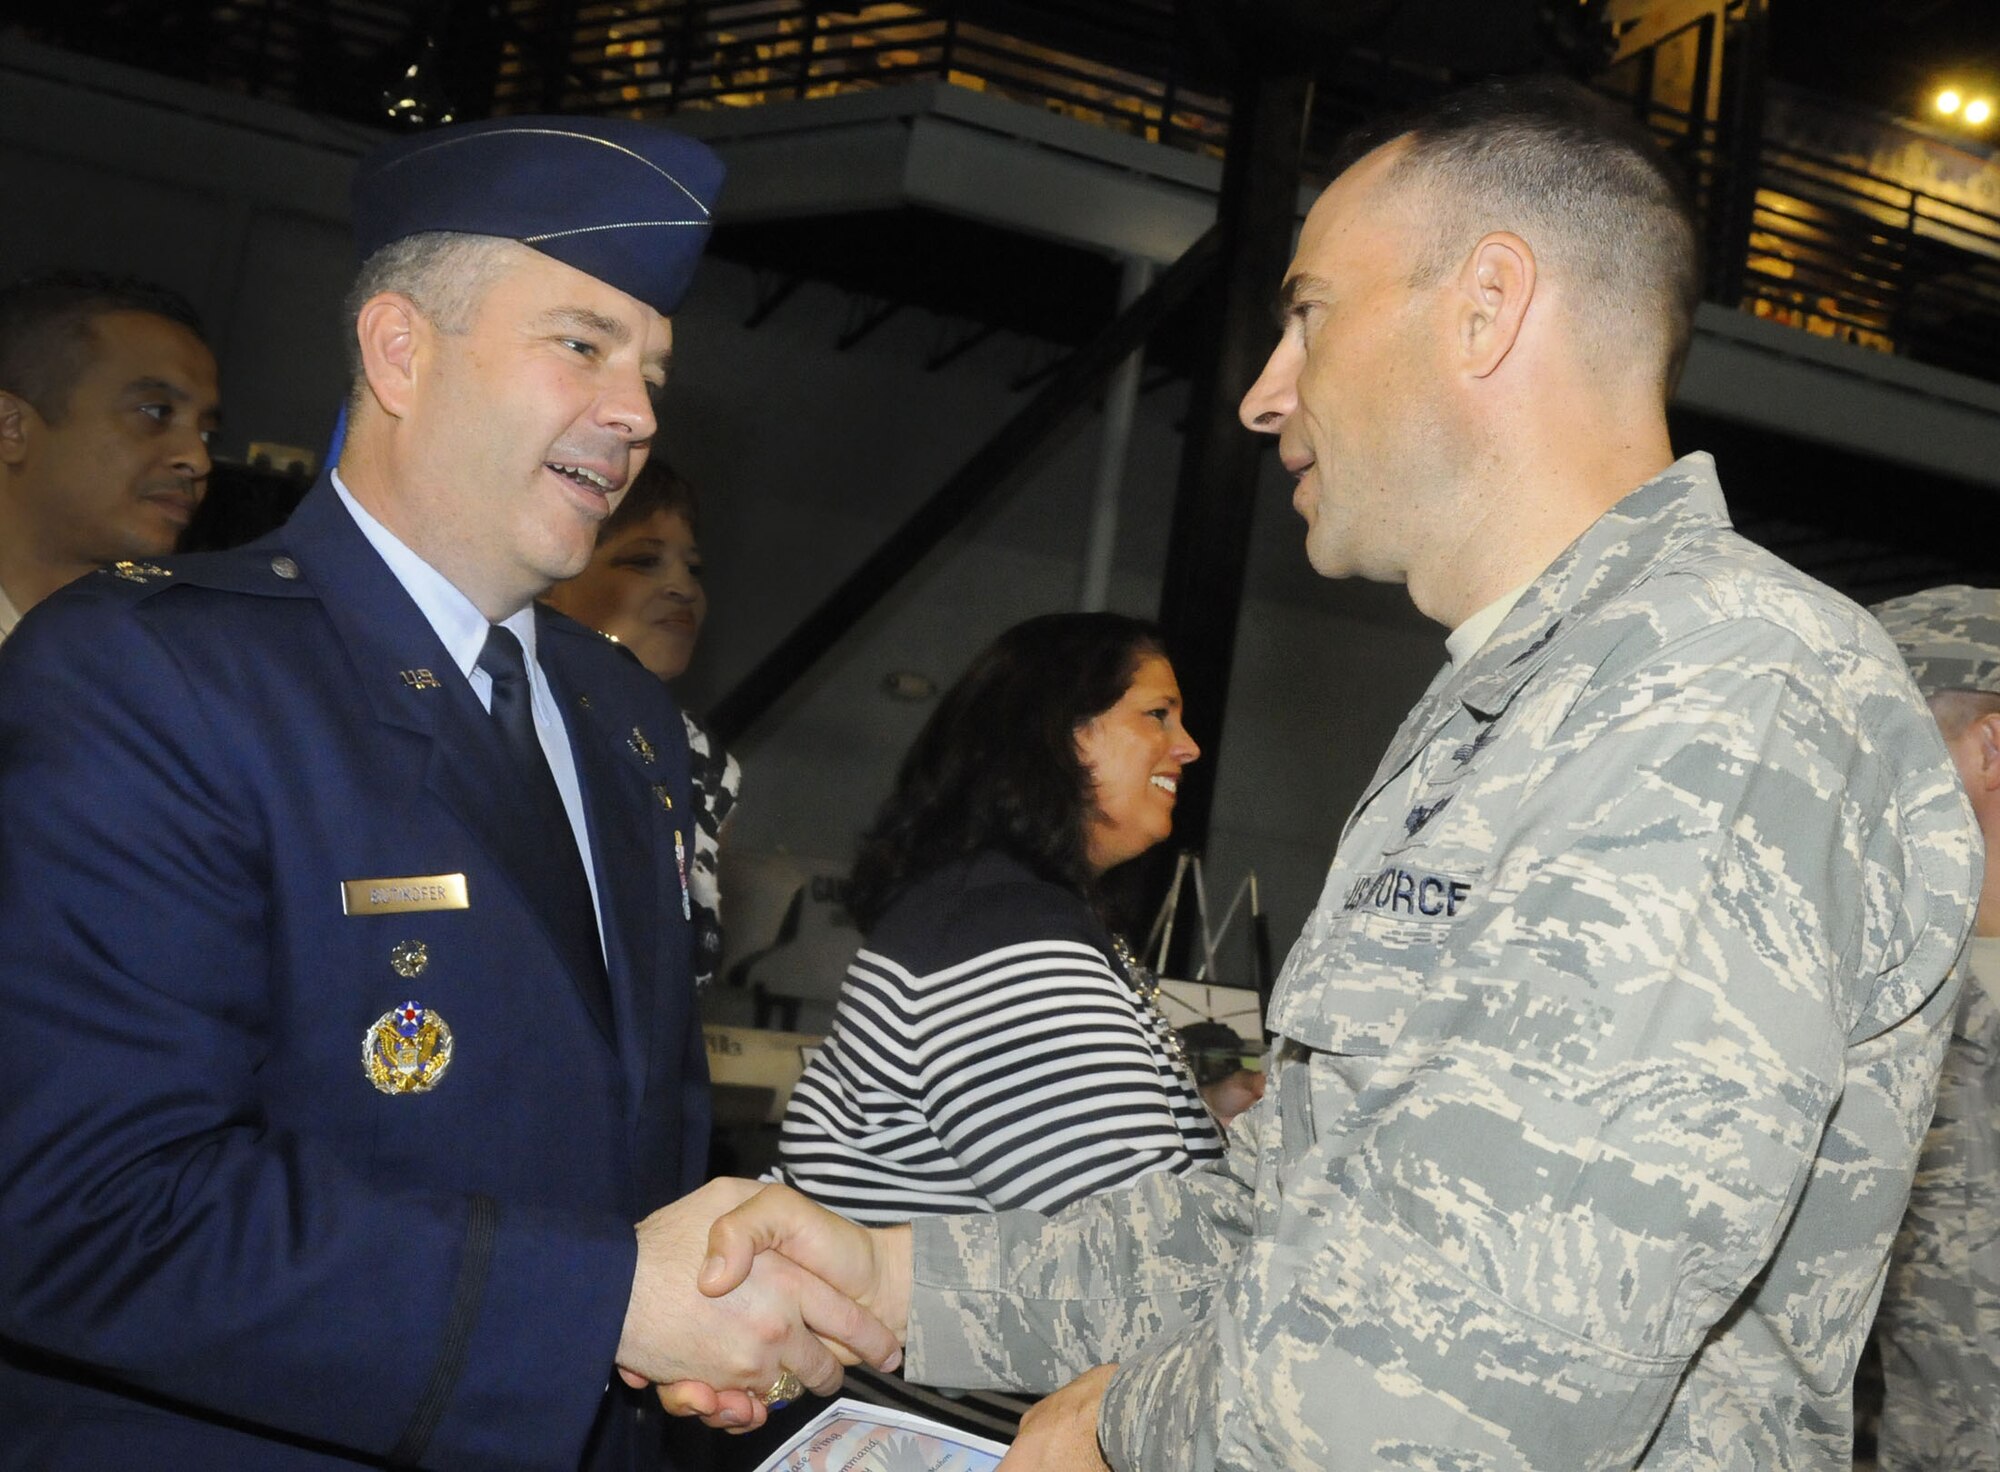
(1582, 182)
(657, 488)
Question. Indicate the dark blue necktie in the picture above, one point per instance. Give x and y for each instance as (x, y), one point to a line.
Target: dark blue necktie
(562, 865)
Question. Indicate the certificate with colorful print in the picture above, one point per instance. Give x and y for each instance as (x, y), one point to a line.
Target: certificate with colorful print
(851, 1437)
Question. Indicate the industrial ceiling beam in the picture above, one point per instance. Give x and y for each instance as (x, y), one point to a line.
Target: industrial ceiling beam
(1209, 545)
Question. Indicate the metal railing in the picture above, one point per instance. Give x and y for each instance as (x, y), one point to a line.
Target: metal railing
(1847, 254)
(1822, 245)
(1115, 69)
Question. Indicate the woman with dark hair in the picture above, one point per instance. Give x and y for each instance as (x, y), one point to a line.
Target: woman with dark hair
(643, 589)
(994, 1045)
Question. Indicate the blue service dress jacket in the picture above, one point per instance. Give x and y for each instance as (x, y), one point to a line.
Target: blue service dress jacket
(221, 1245)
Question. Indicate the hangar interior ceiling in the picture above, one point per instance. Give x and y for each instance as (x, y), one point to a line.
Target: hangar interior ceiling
(1824, 242)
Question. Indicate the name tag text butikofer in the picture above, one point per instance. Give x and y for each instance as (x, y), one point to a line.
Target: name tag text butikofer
(403, 896)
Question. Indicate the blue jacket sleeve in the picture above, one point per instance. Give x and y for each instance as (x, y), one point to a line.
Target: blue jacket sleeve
(157, 1225)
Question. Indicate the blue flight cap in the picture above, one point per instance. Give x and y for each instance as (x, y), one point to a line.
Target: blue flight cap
(624, 201)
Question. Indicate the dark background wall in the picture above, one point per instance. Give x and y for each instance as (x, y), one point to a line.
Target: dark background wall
(804, 456)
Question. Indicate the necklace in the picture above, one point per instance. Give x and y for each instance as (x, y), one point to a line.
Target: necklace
(1146, 987)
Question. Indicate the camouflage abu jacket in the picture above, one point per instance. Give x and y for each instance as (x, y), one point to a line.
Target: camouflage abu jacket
(1940, 1322)
(1600, 1073)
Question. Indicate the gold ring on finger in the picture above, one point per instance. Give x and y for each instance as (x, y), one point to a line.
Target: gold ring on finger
(783, 1391)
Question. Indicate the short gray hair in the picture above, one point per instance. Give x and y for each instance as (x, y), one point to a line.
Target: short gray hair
(1583, 183)
(445, 273)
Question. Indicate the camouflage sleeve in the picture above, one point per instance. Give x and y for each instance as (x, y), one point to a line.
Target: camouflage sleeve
(1940, 1321)
(1029, 1302)
(1588, 1137)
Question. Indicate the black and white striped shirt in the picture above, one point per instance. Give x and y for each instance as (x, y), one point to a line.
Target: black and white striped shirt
(988, 1053)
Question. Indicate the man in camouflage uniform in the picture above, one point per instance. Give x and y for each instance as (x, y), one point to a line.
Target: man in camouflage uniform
(1601, 1067)
(1940, 1323)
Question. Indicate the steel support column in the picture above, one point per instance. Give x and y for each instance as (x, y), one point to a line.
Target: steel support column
(1121, 399)
(1209, 547)
(1739, 152)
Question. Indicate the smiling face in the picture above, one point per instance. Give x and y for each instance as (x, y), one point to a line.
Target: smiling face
(521, 431)
(118, 468)
(1355, 388)
(1134, 753)
(643, 588)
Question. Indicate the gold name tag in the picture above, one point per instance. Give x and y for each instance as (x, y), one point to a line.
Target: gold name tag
(402, 896)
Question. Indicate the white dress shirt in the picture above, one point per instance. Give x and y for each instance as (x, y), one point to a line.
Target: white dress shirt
(1470, 637)
(462, 629)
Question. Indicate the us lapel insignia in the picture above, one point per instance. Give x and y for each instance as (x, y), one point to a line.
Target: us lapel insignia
(140, 572)
(638, 742)
(421, 680)
(407, 1050)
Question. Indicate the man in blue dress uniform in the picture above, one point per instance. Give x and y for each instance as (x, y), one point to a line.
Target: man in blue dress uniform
(344, 952)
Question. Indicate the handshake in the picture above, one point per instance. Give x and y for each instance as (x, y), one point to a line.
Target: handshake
(745, 1295)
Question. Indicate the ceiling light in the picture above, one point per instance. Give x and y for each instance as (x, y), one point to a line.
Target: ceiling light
(1978, 111)
(1948, 101)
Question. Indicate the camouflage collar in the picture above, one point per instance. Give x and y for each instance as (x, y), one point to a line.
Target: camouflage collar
(1618, 551)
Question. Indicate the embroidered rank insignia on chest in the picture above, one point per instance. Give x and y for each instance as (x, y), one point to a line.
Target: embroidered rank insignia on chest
(1420, 815)
(140, 572)
(407, 1050)
(1477, 744)
(1541, 643)
(638, 742)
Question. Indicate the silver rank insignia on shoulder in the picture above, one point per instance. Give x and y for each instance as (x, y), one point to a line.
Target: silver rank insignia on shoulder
(421, 680)
(638, 742)
(407, 1050)
(140, 572)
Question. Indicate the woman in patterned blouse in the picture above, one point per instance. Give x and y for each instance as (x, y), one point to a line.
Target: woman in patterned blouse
(643, 589)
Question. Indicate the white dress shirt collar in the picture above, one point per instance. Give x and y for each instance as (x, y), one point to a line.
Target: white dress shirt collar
(1470, 637)
(460, 626)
